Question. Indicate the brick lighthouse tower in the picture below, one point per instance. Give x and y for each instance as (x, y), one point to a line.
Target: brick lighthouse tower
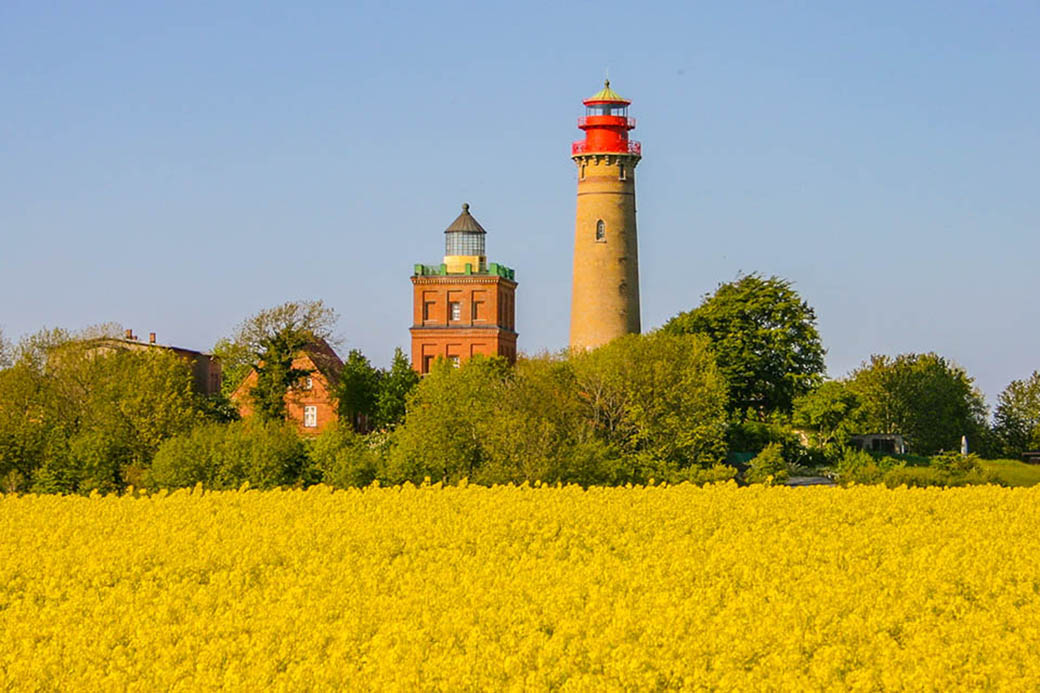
(605, 293)
(465, 306)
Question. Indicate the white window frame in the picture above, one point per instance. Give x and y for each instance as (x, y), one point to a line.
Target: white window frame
(310, 416)
(455, 311)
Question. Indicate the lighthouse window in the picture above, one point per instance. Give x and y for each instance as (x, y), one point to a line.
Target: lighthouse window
(601, 232)
(606, 109)
(464, 243)
(621, 172)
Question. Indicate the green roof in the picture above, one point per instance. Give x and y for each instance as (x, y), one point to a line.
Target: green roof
(607, 94)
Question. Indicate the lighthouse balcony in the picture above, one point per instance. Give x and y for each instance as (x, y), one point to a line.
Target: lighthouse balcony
(590, 121)
(630, 147)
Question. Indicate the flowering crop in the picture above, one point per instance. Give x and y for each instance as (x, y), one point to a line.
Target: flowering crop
(465, 588)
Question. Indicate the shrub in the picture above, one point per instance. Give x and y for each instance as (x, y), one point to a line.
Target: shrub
(341, 458)
(956, 463)
(937, 476)
(701, 476)
(222, 456)
(768, 466)
(755, 436)
(859, 467)
(945, 469)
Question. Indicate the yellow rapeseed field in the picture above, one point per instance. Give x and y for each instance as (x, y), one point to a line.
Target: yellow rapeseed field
(469, 588)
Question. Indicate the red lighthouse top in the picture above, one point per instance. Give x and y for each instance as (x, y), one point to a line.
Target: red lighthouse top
(606, 125)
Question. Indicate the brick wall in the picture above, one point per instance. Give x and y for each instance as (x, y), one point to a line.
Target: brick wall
(484, 321)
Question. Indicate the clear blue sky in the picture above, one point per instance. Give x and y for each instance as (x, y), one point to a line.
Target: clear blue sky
(176, 167)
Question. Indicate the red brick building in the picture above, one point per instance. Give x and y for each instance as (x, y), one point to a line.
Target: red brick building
(309, 402)
(464, 306)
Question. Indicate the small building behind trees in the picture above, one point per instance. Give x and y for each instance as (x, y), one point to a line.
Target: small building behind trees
(205, 368)
(310, 401)
(885, 443)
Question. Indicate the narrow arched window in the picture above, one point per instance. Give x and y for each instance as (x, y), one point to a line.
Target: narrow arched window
(601, 231)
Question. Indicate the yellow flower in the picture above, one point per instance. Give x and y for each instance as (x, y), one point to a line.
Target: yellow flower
(522, 588)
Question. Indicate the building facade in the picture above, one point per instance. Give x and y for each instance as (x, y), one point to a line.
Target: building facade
(605, 291)
(464, 306)
(309, 403)
(205, 368)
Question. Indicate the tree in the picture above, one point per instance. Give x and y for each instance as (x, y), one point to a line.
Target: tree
(5, 351)
(73, 418)
(224, 456)
(357, 391)
(765, 339)
(268, 342)
(236, 363)
(639, 407)
(539, 431)
(930, 401)
(1016, 422)
(394, 387)
(441, 434)
(828, 413)
(341, 458)
(659, 395)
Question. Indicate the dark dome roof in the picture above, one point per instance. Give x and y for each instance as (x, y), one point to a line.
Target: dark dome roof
(465, 223)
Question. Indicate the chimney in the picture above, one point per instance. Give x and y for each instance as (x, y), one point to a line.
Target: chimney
(151, 338)
(129, 334)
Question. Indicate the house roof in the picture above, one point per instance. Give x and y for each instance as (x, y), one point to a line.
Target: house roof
(123, 343)
(325, 359)
(465, 223)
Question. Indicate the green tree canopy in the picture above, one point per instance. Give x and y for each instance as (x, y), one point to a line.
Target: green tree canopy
(828, 414)
(394, 387)
(75, 416)
(1016, 422)
(441, 436)
(224, 456)
(641, 406)
(357, 391)
(6, 354)
(927, 399)
(659, 395)
(765, 339)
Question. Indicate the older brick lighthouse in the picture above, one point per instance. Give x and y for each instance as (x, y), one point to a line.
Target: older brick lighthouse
(464, 306)
(605, 293)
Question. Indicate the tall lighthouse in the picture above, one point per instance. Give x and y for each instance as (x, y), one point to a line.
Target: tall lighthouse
(605, 293)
